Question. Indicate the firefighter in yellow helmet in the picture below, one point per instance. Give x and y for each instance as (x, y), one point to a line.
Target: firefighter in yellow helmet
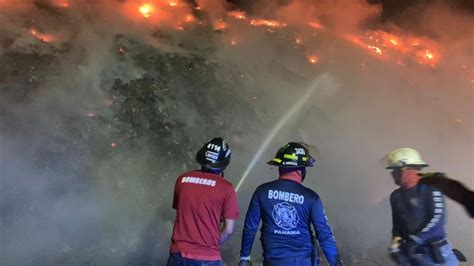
(418, 213)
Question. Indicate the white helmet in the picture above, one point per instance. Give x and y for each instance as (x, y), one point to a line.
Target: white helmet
(404, 157)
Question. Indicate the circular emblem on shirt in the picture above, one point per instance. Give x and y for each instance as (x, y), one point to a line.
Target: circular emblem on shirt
(285, 216)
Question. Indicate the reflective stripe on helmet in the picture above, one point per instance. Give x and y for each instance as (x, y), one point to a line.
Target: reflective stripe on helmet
(290, 156)
(277, 160)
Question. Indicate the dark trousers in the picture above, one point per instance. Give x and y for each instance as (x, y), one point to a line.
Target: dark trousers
(175, 259)
(298, 261)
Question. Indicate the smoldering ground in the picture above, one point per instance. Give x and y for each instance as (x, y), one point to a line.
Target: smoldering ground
(102, 108)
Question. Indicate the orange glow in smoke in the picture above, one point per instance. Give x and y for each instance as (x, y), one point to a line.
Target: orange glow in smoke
(146, 10)
(61, 3)
(391, 45)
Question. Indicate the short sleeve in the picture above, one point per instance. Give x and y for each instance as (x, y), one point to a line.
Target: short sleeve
(231, 207)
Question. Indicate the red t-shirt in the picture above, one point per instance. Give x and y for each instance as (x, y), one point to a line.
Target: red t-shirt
(201, 199)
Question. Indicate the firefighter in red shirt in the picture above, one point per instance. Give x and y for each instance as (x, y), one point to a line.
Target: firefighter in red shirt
(203, 199)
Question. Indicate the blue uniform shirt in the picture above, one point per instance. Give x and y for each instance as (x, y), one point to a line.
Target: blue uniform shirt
(418, 213)
(287, 210)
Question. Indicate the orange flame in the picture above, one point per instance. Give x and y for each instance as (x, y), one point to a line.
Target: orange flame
(189, 18)
(267, 22)
(376, 49)
(316, 25)
(43, 36)
(220, 25)
(313, 59)
(146, 9)
(429, 55)
(61, 3)
(237, 14)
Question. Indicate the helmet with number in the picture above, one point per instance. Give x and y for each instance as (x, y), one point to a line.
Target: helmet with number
(215, 154)
(293, 155)
(404, 157)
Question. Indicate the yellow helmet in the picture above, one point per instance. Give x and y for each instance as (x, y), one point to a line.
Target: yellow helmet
(404, 157)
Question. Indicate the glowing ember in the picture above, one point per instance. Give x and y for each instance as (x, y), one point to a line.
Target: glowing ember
(113, 145)
(393, 42)
(313, 59)
(298, 40)
(267, 22)
(178, 27)
(91, 114)
(237, 14)
(173, 3)
(233, 42)
(146, 10)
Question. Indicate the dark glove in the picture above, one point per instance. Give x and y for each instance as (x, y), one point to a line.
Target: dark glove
(394, 251)
(408, 249)
(397, 257)
(245, 263)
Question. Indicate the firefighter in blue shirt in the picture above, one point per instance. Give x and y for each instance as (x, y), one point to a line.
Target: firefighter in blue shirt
(287, 209)
(418, 213)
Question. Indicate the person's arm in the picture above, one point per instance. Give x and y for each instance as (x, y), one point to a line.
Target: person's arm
(396, 224)
(252, 221)
(436, 210)
(177, 190)
(394, 249)
(230, 212)
(324, 234)
(227, 230)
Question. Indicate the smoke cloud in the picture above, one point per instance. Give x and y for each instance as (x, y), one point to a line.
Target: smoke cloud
(103, 104)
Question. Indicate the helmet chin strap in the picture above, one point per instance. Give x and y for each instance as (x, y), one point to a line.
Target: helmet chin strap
(303, 173)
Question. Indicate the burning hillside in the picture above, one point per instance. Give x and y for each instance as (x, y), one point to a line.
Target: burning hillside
(103, 103)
